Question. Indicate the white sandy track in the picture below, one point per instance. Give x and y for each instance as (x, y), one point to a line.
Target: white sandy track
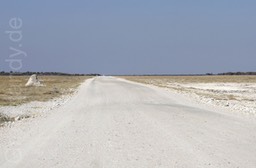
(112, 123)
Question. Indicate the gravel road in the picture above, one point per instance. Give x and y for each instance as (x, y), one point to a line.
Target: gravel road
(113, 123)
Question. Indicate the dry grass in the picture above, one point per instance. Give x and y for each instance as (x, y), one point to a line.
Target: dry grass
(13, 91)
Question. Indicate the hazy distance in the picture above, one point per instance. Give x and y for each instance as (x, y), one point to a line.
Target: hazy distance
(131, 37)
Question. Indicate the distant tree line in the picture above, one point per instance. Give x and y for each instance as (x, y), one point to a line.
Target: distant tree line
(207, 74)
(28, 73)
(238, 73)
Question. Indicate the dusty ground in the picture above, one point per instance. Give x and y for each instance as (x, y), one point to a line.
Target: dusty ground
(13, 91)
(17, 101)
(237, 93)
(114, 123)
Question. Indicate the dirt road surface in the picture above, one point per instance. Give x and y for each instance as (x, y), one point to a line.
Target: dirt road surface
(113, 123)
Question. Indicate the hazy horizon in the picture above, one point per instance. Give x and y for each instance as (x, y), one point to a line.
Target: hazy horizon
(128, 37)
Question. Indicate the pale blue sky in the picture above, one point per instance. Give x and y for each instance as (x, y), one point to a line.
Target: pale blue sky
(132, 36)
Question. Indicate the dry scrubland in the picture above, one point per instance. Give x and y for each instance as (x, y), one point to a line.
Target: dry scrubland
(14, 92)
(237, 93)
(18, 101)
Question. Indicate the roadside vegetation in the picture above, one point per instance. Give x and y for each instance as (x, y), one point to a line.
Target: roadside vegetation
(13, 91)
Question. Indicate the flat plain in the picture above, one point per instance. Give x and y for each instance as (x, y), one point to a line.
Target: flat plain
(13, 91)
(237, 93)
(114, 123)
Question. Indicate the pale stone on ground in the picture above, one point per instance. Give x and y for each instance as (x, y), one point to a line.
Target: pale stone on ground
(33, 81)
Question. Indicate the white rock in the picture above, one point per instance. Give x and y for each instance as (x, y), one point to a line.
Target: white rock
(33, 81)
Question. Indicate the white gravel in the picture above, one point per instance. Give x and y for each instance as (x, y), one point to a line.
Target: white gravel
(239, 97)
(113, 123)
(31, 110)
(235, 97)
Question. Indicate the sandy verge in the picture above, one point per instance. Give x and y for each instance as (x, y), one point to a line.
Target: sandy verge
(10, 114)
(233, 96)
(237, 97)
